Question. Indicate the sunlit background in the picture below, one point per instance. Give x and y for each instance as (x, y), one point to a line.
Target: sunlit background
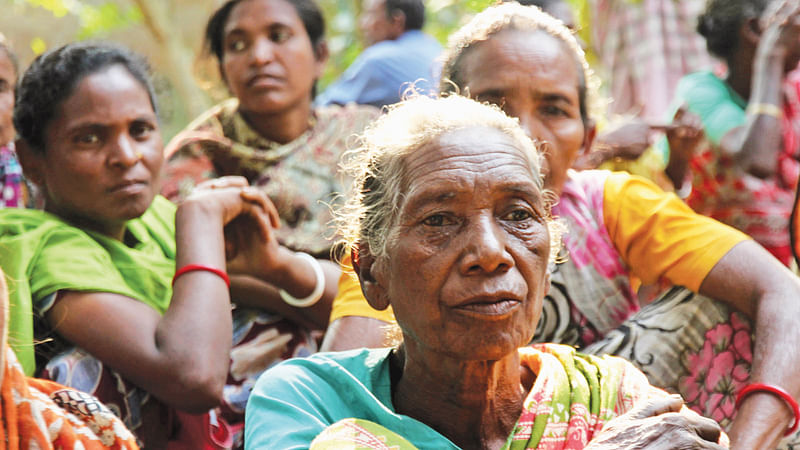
(170, 33)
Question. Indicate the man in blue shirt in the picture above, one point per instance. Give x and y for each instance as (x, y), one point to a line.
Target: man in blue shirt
(399, 55)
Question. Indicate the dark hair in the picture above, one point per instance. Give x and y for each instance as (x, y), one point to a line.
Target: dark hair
(6, 46)
(542, 4)
(308, 11)
(53, 76)
(721, 21)
(414, 10)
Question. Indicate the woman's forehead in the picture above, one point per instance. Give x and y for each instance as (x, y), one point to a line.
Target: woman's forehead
(255, 15)
(479, 150)
(515, 53)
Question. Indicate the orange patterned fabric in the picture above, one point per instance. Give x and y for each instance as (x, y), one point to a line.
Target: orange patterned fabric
(42, 414)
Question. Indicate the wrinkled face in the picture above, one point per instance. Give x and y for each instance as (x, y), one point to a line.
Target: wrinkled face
(268, 61)
(532, 76)
(103, 152)
(466, 273)
(8, 79)
(374, 22)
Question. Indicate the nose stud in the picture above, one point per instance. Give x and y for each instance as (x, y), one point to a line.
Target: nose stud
(139, 156)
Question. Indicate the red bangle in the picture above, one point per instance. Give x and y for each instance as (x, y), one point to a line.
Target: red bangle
(194, 267)
(753, 387)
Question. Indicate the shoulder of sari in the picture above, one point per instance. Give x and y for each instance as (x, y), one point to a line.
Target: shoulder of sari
(209, 126)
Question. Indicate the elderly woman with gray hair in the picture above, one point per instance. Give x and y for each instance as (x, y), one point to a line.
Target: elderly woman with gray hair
(451, 227)
(622, 228)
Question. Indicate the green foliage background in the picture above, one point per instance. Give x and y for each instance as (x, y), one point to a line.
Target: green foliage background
(124, 21)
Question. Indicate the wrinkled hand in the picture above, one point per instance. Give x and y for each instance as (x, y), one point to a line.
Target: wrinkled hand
(685, 135)
(781, 25)
(660, 423)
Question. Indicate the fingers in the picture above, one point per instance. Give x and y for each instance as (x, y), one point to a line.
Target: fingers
(706, 428)
(254, 195)
(224, 182)
(685, 124)
(698, 443)
(263, 222)
(780, 14)
(658, 406)
(663, 127)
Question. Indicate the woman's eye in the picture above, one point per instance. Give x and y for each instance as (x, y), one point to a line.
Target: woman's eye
(280, 35)
(552, 110)
(518, 215)
(87, 139)
(236, 45)
(436, 220)
(141, 130)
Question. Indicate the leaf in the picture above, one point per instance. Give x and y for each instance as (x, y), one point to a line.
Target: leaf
(38, 46)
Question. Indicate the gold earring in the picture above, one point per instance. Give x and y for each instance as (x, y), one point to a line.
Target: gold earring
(139, 156)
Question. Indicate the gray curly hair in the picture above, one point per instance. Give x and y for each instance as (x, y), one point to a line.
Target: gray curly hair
(378, 166)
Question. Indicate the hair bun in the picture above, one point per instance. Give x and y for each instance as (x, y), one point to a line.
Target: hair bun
(705, 25)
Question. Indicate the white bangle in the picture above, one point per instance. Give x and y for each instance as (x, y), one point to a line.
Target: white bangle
(685, 189)
(315, 296)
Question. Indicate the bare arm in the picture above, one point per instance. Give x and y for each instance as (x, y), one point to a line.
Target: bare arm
(756, 145)
(258, 293)
(627, 141)
(182, 356)
(3, 325)
(750, 279)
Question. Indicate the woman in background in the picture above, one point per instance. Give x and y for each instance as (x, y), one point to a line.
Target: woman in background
(13, 191)
(746, 174)
(270, 54)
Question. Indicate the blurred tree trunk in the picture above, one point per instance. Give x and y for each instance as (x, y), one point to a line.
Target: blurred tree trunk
(158, 19)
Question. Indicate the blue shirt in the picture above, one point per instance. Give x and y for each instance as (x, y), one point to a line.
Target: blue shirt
(296, 400)
(382, 72)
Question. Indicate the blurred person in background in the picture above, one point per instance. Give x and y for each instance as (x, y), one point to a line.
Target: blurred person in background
(746, 171)
(14, 192)
(398, 56)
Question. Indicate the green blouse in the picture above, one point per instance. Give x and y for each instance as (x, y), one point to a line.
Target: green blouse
(42, 254)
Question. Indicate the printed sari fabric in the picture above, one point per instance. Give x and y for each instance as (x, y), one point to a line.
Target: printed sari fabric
(12, 185)
(159, 425)
(41, 414)
(684, 342)
(302, 177)
(572, 398)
